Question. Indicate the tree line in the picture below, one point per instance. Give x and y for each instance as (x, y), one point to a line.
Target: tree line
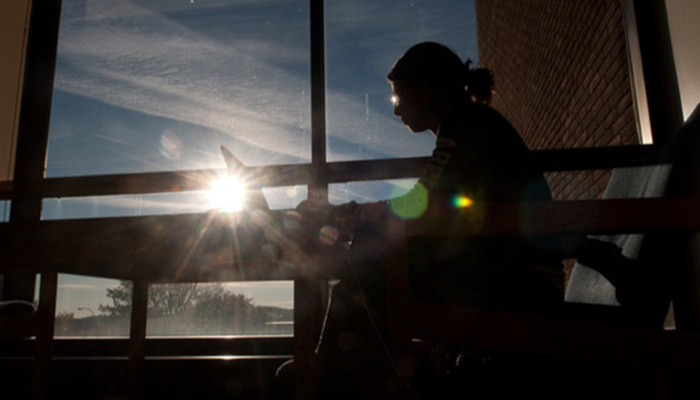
(181, 309)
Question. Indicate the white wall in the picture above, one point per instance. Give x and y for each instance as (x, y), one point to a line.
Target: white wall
(683, 20)
(637, 73)
(13, 23)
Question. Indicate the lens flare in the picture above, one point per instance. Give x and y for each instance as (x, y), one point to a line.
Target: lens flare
(291, 220)
(227, 194)
(328, 235)
(411, 206)
(395, 100)
(170, 145)
(461, 201)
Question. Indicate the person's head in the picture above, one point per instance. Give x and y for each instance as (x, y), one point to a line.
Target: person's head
(429, 79)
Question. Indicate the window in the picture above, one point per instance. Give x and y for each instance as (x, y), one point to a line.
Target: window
(4, 210)
(363, 40)
(144, 86)
(148, 87)
(221, 309)
(284, 197)
(368, 191)
(685, 51)
(92, 307)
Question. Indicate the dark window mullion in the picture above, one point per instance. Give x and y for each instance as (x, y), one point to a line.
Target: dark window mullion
(319, 182)
(32, 138)
(308, 293)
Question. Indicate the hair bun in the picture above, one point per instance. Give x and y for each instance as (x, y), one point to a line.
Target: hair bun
(480, 83)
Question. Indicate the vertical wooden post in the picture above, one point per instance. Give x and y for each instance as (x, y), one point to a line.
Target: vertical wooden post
(307, 290)
(137, 340)
(44, 338)
(32, 144)
(306, 330)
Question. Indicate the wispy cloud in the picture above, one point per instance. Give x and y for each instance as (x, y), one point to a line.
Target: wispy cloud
(247, 73)
(151, 63)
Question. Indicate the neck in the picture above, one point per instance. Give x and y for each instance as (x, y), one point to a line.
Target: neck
(442, 112)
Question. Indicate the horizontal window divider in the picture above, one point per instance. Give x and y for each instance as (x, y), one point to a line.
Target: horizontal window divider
(156, 249)
(334, 172)
(235, 346)
(199, 247)
(608, 216)
(157, 347)
(268, 176)
(587, 158)
(220, 357)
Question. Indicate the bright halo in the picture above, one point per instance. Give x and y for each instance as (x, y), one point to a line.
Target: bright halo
(227, 194)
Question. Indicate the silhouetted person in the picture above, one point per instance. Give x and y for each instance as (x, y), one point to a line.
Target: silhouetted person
(478, 158)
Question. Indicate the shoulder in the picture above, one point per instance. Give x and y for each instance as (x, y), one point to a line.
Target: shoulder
(475, 116)
(490, 119)
(476, 124)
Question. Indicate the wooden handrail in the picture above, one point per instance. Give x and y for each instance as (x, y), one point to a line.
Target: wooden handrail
(578, 216)
(334, 172)
(193, 247)
(167, 248)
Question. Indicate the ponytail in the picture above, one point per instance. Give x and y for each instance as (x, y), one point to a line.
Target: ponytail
(479, 83)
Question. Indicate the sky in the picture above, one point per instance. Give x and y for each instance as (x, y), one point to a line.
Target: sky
(159, 85)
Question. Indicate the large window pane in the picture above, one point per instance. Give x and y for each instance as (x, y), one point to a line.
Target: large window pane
(87, 306)
(159, 85)
(363, 40)
(231, 309)
(286, 197)
(4, 217)
(5, 210)
(369, 191)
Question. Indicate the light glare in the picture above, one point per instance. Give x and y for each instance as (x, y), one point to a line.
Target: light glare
(462, 202)
(227, 194)
(395, 100)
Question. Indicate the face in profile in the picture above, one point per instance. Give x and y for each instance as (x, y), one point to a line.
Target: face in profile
(411, 105)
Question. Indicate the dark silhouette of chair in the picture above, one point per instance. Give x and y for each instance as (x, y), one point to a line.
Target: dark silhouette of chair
(18, 319)
(21, 320)
(642, 273)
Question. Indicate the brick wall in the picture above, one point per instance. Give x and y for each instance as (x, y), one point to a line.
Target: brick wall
(562, 78)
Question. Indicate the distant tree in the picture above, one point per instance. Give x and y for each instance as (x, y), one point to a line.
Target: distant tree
(193, 308)
(121, 300)
(63, 323)
(163, 299)
(171, 299)
(225, 310)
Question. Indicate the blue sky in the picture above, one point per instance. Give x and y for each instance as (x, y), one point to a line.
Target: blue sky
(158, 85)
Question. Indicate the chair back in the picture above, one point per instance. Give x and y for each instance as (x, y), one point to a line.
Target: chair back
(650, 265)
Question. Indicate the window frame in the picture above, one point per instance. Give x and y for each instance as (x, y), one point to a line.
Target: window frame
(30, 187)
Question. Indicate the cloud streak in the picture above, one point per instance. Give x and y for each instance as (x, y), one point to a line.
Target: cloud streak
(242, 68)
(155, 65)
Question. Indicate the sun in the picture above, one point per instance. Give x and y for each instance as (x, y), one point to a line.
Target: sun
(227, 194)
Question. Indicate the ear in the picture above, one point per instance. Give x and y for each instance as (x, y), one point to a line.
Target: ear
(425, 95)
(432, 100)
